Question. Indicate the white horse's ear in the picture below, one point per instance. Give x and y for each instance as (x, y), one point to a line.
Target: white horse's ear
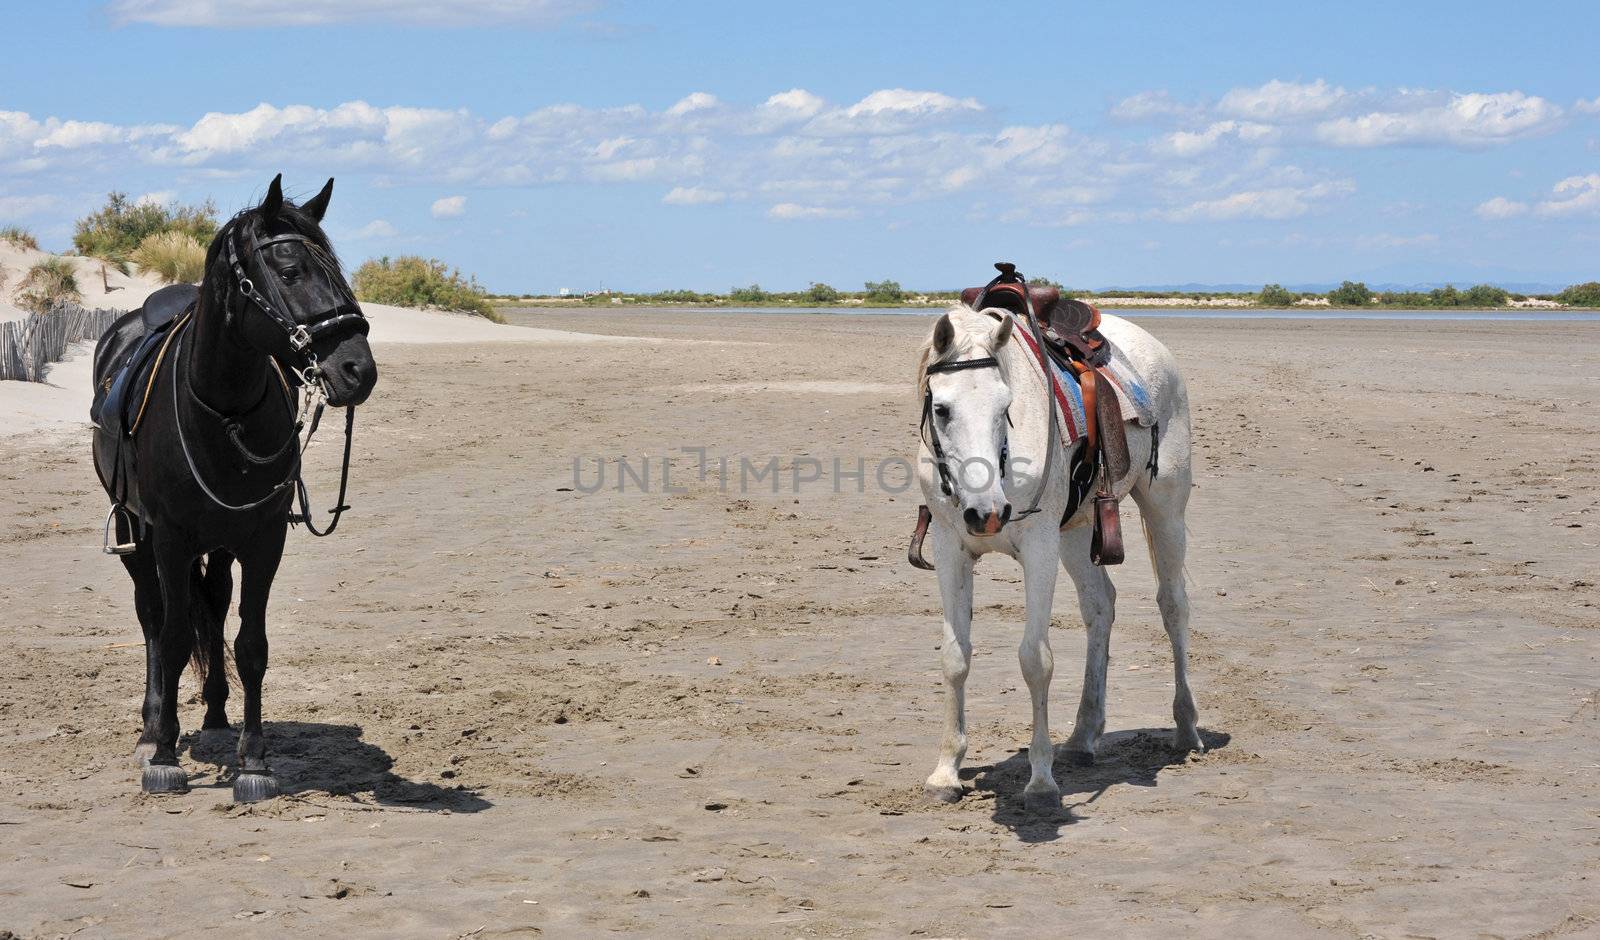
(1003, 334)
(944, 333)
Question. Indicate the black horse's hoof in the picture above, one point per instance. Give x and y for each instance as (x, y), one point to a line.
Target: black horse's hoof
(216, 724)
(163, 778)
(1079, 758)
(254, 787)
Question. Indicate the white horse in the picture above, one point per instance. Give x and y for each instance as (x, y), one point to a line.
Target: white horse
(991, 418)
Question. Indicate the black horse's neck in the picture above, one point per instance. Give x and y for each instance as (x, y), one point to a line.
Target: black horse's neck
(224, 372)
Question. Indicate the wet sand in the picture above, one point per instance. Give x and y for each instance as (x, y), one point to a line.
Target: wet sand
(502, 706)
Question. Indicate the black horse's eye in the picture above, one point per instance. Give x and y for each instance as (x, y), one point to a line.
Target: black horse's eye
(289, 273)
(942, 412)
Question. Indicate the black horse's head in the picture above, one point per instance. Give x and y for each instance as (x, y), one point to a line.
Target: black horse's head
(286, 295)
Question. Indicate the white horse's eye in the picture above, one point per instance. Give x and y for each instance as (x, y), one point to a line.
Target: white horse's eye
(942, 412)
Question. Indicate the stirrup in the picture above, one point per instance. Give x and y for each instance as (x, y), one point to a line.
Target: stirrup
(118, 521)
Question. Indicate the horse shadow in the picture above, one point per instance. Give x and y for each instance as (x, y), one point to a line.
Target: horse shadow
(310, 756)
(1124, 757)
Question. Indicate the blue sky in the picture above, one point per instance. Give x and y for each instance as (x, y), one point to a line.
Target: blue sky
(574, 143)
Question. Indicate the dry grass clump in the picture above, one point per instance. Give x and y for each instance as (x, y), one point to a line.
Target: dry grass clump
(18, 236)
(47, 284)
(174, 256)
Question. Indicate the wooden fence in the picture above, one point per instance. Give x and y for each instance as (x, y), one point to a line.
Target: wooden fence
(27, 347)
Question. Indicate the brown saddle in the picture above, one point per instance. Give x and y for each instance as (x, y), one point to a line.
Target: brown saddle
(1070, 327)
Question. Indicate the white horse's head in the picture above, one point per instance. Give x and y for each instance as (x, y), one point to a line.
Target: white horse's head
(966, 414)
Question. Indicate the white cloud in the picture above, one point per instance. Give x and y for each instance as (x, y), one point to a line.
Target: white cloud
(377, 228)
(1152, 106)
(1190, 143)
(450, 207)
(1469, 120)
(239, 14)
(1282, 202)
(1591, 106)
(1279, 101)
(1573, 195)
(1501, 208)
(796, 101)
(790, 210)
(160, 197)
(693, 196)
(698, 101)
(13, 207)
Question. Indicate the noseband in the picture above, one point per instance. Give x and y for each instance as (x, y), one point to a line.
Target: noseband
(301, 335)
(931, 430)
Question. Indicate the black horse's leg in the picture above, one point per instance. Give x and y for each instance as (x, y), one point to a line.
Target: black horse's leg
(258, 565)
(175, 563)
(141, 567)
(217, 590)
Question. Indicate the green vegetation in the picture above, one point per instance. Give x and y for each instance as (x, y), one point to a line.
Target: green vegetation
(18, 236)
(885, 292)
(173, 256)
(1275, 295)
(115, 232)
(1350, 294)
(749, 295)
(412, 281)
(1581, 295)
(820, 293)
(47, 284)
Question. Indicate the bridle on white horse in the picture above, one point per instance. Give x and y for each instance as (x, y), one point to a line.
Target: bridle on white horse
(930, 430)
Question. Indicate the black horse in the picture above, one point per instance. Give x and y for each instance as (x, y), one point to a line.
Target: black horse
(204, 454)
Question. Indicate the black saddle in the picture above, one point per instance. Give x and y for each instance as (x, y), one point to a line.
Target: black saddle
(126, 354)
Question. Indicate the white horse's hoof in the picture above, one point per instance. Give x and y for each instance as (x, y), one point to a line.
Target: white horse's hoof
(1188, 741)
(1041, 801)
(1078, 758)
(943, 794)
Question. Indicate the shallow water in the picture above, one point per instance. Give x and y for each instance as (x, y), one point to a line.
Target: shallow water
(1181, 313)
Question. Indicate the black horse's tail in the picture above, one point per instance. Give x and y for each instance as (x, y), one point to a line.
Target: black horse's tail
(210, 590)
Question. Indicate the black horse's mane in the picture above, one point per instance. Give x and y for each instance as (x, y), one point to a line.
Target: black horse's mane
(289, 214)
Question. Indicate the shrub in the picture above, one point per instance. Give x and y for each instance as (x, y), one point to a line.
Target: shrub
(48, 283)
(1581, 295)
(681, 297)
(1485, 295)
(749, 295)
(1446, 296)
(821, 294)
(1350, 294)
(115, 232)
(174, 256)
(885, 292)
(413, 281)
(1274, 295)
(19, 236)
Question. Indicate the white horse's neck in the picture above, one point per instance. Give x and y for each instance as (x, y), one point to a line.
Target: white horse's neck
(1029, 432)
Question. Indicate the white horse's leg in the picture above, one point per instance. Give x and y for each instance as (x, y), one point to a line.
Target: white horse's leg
(1162, 504)
(954, 567)
(1038, 665)
(1097, 602)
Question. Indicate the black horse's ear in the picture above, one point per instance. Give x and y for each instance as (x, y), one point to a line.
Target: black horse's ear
(943, 335)
(317, 206)
(274, 200)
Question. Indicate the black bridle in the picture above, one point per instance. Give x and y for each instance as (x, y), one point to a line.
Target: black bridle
(301, 337)
(930, 428)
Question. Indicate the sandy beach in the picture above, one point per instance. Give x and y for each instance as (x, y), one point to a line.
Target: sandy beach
(502, 706)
